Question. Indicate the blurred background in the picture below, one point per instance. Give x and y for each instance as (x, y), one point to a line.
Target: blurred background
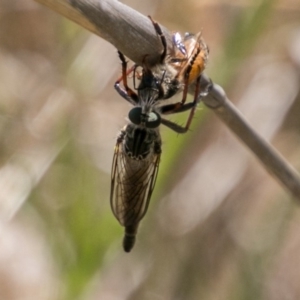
(218, 226)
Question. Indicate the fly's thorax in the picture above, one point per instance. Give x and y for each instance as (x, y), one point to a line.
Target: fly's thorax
(140, 142)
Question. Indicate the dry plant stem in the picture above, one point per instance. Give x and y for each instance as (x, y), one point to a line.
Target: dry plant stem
(276, 165)
(64, 8)
(133, 34)
(129, 31)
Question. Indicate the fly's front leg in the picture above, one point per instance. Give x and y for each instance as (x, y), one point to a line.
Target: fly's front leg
(177, 128)
(127, 93)
(181, 107)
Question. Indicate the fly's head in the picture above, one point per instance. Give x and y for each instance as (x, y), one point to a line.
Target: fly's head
(143, 117)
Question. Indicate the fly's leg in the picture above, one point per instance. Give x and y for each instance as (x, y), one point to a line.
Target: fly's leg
(162, 38)
(126, 92)
(180, 107)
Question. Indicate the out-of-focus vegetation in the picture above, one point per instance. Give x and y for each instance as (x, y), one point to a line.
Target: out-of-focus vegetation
(218, 227)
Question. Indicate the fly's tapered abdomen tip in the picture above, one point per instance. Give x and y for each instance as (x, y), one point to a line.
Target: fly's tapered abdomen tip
(128, 242)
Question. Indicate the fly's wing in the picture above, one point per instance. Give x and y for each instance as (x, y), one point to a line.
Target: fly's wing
(132, 184)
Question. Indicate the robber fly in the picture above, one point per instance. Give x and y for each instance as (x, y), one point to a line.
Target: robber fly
(138, 147)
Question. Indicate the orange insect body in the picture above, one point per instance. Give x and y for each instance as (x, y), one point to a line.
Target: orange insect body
(190, 54)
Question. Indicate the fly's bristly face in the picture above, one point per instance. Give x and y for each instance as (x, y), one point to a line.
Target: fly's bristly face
(138, 148)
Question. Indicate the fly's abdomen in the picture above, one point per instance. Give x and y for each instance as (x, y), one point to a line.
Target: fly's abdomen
(134, 171)
(129, 237)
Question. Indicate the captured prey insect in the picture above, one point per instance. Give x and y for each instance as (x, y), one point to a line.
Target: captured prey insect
(181, 67)
(138, 147)
(191, 52)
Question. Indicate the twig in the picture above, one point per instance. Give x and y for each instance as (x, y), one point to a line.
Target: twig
(129, 31)
(272, 160)
(64, 8)
(133, 34)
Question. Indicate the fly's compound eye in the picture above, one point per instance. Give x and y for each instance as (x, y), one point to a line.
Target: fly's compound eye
(153, 120)
(136, 117)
